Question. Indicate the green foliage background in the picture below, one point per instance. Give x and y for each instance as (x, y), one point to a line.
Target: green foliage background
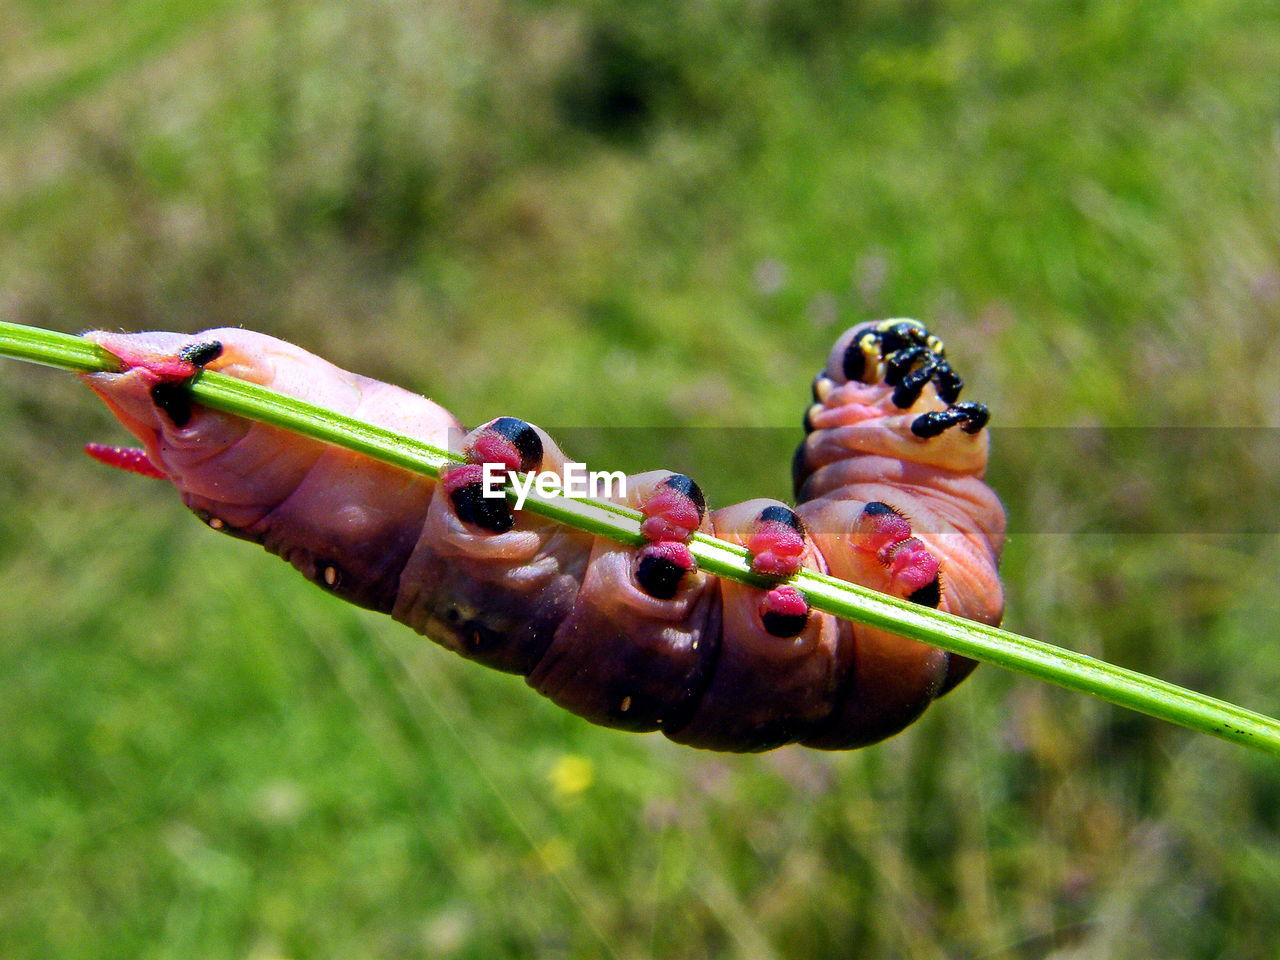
(653, 214)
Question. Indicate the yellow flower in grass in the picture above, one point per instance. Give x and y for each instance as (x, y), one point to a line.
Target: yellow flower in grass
(571, 775)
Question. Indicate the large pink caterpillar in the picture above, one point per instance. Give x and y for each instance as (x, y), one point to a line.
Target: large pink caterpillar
(890, 490)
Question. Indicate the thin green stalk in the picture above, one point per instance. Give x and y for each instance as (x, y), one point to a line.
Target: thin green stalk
(1035, 658)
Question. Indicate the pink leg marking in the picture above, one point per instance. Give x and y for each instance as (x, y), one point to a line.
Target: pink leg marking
(493, 448)
(676, 553)
(457, 476)
(130, 459)
(880, 527)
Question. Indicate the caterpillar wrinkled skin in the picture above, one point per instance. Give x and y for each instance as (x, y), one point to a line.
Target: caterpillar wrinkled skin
(889, 490)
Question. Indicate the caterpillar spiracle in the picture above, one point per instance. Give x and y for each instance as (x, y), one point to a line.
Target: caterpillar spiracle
(889, 489)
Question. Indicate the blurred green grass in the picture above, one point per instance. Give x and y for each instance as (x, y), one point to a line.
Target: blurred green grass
(651, 214)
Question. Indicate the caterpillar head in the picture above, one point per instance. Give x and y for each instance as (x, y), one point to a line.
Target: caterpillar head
(893, 375)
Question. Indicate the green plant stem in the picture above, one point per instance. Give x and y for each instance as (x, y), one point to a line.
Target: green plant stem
(1035, 658)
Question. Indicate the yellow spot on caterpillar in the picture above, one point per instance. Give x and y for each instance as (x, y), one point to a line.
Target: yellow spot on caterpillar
(571, 775)
(872, 362)
(625, 705)
(822, 388)
(330, 575)
(216, 524)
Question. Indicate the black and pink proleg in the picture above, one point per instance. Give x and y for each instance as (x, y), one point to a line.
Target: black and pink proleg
(672, 509)
(660, 567)
(463, 484)
(166, 375)
(784, 611)
(508, 442)
(913, 572)
(777, 542)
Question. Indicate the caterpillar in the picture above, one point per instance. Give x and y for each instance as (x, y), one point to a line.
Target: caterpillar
(890, 495)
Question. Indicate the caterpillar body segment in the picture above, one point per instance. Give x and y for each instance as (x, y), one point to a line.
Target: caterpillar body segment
(346, 522)
(890, 496)
(635, 653)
